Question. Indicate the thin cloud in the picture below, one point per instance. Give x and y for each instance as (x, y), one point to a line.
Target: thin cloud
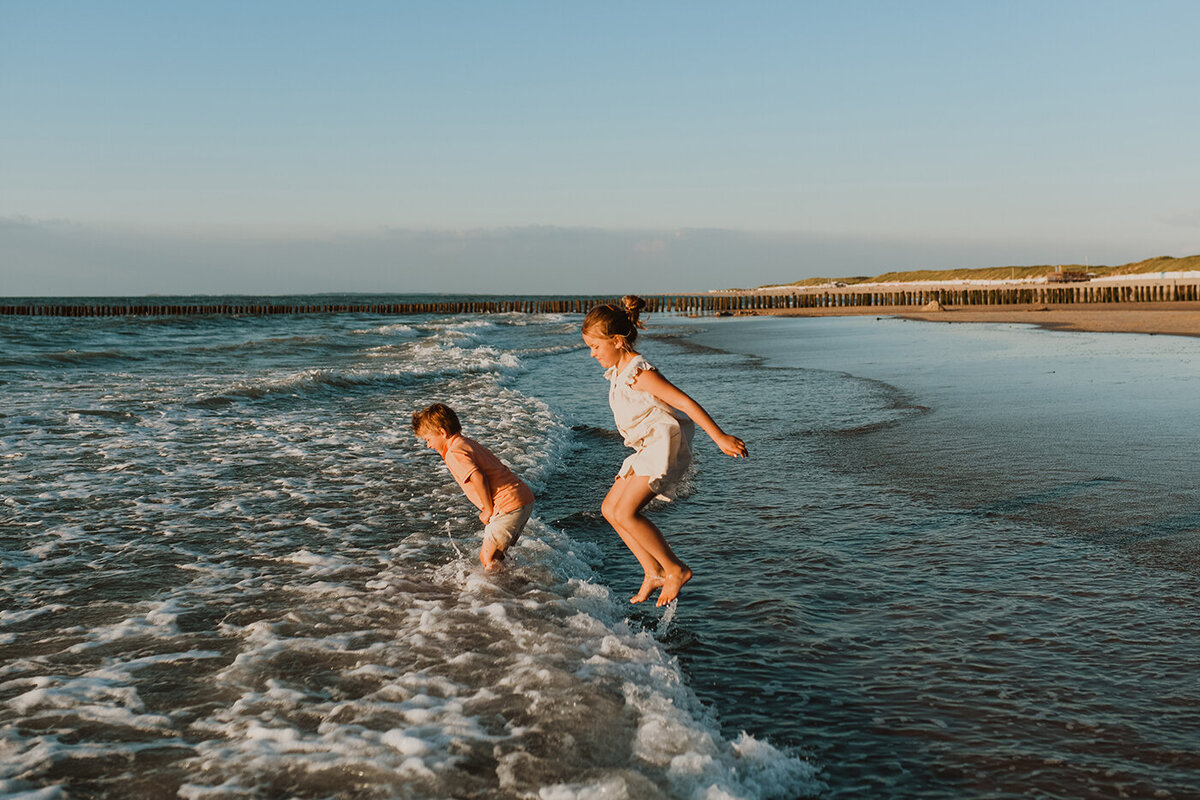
(46, 258)
(1185, 219)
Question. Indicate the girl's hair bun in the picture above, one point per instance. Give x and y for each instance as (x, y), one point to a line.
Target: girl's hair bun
(633, 306)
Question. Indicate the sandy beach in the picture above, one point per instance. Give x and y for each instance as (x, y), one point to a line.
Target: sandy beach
(1173, 319)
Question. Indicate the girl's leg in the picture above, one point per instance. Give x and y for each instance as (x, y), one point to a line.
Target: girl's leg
(610, 508)
(622, 508)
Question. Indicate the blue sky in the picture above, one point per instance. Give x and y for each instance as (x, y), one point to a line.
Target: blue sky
(585, 147)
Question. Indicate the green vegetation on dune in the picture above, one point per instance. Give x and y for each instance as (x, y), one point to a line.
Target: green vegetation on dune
(1160, 264)
(824, 281)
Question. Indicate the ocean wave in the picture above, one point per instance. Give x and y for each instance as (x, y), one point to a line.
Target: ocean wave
(67, 357)
(439, 354)
(292, 604)
(104, 413)
(551, 350)
(470, 324)
(385, 330)
(306, 381)
(267, 345)
(529, 683)
(409, 672)
(445, 361)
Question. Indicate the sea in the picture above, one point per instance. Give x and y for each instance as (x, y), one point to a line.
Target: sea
(962, 561)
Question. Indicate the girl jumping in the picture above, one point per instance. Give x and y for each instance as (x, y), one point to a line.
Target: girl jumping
(656, 419)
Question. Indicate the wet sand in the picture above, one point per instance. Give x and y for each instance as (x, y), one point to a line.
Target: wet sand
(1173, 319)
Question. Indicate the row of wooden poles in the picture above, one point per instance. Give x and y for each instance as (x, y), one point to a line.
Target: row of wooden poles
(681, 304)
(1002, 296)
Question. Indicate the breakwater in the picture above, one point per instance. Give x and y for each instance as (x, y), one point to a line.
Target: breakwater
(1149, 291)
(144, 309)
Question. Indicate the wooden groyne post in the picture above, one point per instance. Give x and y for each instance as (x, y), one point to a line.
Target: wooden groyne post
(520, 306)
(689, 304)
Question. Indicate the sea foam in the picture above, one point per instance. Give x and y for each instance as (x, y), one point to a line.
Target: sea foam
(241, 566)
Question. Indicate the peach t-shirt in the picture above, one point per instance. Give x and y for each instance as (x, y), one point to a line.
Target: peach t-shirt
(465, 457)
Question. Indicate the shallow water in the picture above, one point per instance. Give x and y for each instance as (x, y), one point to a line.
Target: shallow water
(961, 561)
(230, 570)
(993, 594)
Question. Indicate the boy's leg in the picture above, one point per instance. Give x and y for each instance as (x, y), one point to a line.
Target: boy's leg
(487, 552)
(500, 534)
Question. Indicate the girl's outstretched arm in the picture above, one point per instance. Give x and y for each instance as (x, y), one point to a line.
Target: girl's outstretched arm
(649, 380)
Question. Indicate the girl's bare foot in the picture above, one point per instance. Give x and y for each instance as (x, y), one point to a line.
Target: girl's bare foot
(651, 583)
(672, 582)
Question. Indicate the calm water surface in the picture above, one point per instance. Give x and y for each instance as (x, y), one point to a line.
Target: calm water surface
(991, 593)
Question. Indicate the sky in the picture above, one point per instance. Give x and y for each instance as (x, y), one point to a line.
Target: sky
(567, 147)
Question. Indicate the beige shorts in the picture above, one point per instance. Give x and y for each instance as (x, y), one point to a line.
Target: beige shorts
(504, 529)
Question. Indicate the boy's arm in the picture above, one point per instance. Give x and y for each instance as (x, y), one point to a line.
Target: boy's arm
(649, 380)
(479, 493)
(475, 485)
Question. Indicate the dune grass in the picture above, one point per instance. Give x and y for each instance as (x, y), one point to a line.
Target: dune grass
(1159, 264)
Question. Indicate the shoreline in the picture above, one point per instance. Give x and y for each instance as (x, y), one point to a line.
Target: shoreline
(1166, 318)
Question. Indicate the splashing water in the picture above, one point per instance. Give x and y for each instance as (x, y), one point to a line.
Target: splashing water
(664, 624)
(452, 543)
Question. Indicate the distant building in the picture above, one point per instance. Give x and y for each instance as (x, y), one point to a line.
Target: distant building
(1068, 277)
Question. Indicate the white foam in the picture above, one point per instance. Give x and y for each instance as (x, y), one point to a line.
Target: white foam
(385, 330)
(159, 621)
(419, 359)
(17, 617)
(21, 757)
(556, 655)
(626, 786)
(89, 697)
(20, 790)
(322, 623)
(325, 564)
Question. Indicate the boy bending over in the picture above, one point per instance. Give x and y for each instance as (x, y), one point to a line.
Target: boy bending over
(503, 499)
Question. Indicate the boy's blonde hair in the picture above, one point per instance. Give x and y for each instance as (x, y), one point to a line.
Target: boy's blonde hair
(607, 321)
(438, 415)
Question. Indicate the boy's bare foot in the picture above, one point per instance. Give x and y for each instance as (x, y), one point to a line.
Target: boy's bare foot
(491, 560)
(651, 583)
(672, 583)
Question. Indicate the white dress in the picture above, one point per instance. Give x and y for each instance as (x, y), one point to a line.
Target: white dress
(660, 435)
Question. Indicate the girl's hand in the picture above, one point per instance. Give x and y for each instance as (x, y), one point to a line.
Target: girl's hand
(485, 516)
(732, 446)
